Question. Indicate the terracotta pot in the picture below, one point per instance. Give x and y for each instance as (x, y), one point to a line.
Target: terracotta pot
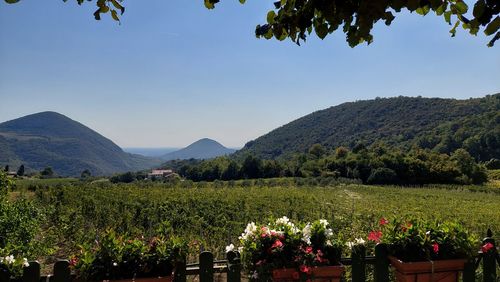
(318, 274)
(426, 271)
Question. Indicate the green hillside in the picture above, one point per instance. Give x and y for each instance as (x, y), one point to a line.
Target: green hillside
(51, 139)
(443, 125)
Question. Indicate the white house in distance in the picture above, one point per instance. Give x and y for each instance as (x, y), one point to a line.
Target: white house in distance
(160, 173)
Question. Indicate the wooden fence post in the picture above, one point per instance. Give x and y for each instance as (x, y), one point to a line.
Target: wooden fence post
(206, 267)
(62, 272)
(32, 272)
(233, 267)
(180, 271)
(4, 276)
(490, 260)
(469, 274)
(358, 255)
(381, 263)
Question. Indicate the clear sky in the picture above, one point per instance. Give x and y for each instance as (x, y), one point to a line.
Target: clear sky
(174, 72)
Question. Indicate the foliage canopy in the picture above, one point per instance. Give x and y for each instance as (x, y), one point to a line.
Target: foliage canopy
(295, 19)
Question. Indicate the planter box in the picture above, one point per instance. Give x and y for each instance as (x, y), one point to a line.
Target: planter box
(425, 271)
(318, 274)
(157, 279)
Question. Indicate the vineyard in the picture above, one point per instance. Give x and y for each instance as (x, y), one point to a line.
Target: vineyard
(68, 213)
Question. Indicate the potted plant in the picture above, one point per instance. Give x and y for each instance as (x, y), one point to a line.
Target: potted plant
(11, 267)
(425, 251)
(121, 258)
(285, 251)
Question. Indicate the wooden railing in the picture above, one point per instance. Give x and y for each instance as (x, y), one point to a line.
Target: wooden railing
(207, 267)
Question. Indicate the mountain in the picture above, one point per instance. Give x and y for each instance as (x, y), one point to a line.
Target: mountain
(202, 149)
(443, 125)
(150, 152)
(51, 139)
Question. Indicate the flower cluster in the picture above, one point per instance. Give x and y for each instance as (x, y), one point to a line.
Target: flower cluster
(13, 265)
(417, 240)
(120, 257)
(285, 244)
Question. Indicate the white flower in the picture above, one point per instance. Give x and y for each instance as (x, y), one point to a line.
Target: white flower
(359, 241)
(249, 231)
(10, 259)
(229, 248)
(306, 234)
(328, 232)
(350, 244)
(255, 275)
(240, 249)
(115, 264)
(323, 222)
(283, 221)
(329, 243)
(25, 262)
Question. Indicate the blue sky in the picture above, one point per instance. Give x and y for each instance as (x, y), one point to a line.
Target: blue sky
(174, 72)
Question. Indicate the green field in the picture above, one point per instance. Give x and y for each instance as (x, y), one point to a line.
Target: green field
(211, 215)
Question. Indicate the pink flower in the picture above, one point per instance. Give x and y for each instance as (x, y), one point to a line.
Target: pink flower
(305, 269)
(309, 250)
(383, 221)
(277, 244)
(375, 236)
(435, 248)
(486, 247)
(260, 262)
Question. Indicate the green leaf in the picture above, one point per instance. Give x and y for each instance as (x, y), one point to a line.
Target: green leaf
(453, 31)
(479, 9)
(423, 10)
(209, 4)
(11, 1)
(493, 26)
(270, 17)
(118, 6)
(447, 17)
(461, 7)
(114, 15)
(242, 1)
(321, 30)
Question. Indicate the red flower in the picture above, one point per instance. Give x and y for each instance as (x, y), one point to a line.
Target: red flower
(263, 235)
(486, 247)
(309, 250)
(375, 236)
(305, 269)
(73, 261)
(383, 221)
(277, 244)
(435, 248)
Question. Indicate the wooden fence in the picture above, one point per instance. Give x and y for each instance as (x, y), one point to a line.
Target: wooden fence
(207, 267)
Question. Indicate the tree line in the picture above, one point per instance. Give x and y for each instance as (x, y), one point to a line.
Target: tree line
(376, 164)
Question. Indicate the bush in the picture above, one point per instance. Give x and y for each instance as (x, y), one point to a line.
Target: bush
(382, 176)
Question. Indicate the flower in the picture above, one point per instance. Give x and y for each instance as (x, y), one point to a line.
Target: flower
(277, 244)
(229, 248)
(305, 269)
(375, 236)
(308, 250)
(10, 259)
(359, 241)
(435, 248)
(255, 275)
(115, 264)
(25, 262)
(323, 222)
(486, 247)
(383, 221)
(350, 244)
(306, 233)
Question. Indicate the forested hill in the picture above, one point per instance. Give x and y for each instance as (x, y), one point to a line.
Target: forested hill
(51, 139)
(202, 149)
(440, 124)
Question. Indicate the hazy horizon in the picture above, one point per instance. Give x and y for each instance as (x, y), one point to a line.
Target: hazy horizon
(162, 79)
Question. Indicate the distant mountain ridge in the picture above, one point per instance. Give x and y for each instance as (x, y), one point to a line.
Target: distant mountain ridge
(69, 147)
(202, 149)
(440, 124)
